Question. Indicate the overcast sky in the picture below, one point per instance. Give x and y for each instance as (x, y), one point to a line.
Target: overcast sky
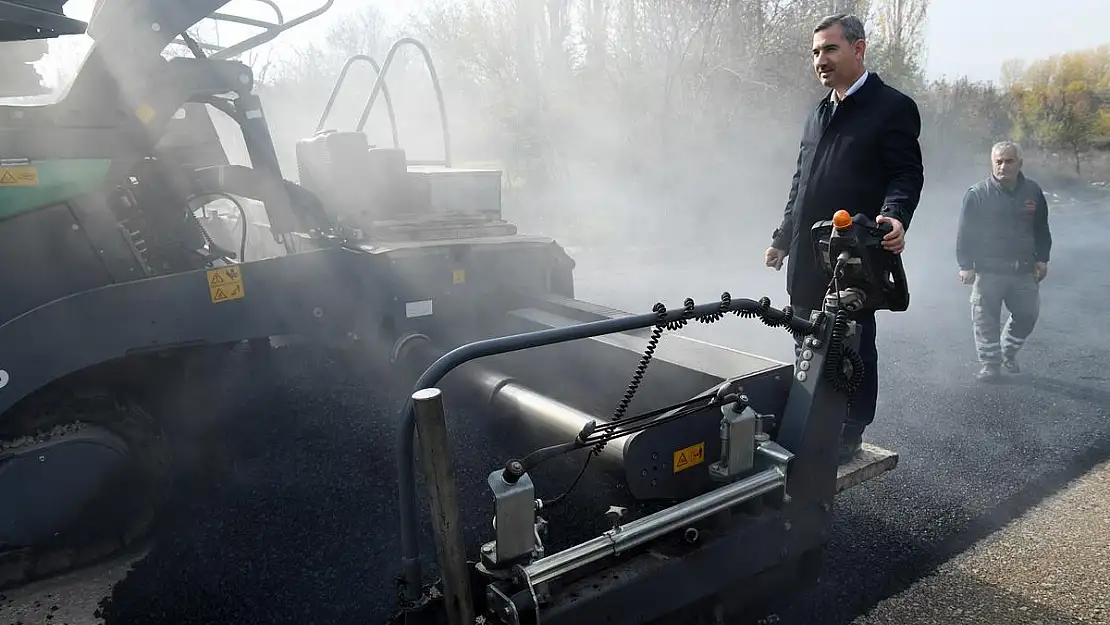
(964, 37)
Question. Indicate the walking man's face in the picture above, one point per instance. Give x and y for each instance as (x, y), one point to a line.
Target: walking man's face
(837, 62)
(1005, 165)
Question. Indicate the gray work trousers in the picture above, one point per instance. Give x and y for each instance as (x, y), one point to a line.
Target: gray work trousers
(1022, 296)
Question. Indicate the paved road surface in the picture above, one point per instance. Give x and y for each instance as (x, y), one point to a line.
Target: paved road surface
(973, 457)
(295, 533)
(1046, 567)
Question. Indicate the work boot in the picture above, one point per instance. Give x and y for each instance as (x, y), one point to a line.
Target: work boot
(851, 442)
(1011, 365)
(989, 373)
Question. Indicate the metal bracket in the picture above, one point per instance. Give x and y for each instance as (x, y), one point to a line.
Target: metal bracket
(515, 523)
(851, 299)
(738, 439)
(502, 606)
(490, 565)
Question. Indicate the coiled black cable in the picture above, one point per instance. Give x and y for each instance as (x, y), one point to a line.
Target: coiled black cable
(660, 310)
(761, 311)
(837, 352)
(688, 305)
(641, 368)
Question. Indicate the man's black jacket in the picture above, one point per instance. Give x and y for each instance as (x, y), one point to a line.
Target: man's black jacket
(867, 160)
(1000, 227)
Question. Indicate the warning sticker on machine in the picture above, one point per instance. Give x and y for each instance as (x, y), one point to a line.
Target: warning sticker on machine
(688, 457)
(18, 172)
(458, 276)
(225, 284)
(145, 113)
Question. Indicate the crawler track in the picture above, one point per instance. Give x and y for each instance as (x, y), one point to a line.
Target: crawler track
(121, 515)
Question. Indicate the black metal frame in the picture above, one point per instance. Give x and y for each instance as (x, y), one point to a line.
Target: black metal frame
(28, 22)
(641, 589)
(115, 18)
(783, 526)
(128, 136)
(800, 396)
(646, 588)
(161, 313)
(126, 93)
(326, 294)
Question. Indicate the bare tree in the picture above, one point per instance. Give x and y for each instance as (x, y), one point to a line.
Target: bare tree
(898, 35)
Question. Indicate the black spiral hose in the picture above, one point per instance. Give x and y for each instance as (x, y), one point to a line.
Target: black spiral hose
(641, 368)
(837, 352)
(688, 305)
(660, 310)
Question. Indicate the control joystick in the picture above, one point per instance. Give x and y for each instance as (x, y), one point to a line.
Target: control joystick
(866, 276)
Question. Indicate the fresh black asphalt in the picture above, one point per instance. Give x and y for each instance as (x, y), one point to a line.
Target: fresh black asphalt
(303, 527)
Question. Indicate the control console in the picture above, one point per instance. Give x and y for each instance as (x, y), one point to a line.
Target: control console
(863, 274)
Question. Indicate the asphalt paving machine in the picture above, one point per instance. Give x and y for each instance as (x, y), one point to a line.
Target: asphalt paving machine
(115, 287)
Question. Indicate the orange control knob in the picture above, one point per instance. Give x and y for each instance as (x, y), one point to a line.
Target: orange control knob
(841, 220)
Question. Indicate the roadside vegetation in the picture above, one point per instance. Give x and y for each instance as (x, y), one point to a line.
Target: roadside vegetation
(689, 108)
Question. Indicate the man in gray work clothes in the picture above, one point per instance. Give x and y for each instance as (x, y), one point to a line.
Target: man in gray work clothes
(1003, 247)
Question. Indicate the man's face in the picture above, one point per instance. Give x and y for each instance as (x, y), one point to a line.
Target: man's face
(1005, 164)
(835, 61)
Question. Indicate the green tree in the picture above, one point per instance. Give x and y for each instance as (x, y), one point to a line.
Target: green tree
(1058, 104)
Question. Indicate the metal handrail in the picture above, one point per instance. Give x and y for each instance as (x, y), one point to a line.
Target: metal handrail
(379, 86)
(385, 92)
(270, 29)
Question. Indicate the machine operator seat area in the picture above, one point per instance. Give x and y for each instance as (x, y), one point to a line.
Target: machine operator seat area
(360, 184)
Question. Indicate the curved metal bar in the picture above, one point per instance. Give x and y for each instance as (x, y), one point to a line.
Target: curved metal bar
(271, 33)
(385, 93)
(183, 38)
(406, 487)
(250, 21)
(277, 10)
(379, 86)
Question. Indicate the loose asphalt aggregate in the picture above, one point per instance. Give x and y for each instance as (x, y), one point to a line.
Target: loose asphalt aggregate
(301, 527)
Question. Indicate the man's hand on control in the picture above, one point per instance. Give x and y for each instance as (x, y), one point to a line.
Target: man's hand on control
(774, 257)
(967, 276)
(895, 240)
(1040, 270)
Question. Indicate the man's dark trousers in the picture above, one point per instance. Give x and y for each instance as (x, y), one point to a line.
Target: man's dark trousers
(863, 404)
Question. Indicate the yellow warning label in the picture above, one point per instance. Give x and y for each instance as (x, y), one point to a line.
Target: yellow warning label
(24, 176)
(458, 276)
(224, 284)
(689, 457)
(145, 113)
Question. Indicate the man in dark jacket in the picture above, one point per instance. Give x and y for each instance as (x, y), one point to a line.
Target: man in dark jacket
(1003, 246)
(860, 152)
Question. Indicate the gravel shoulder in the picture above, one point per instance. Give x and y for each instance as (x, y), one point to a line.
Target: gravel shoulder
(1047, 567)
(71, 599)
